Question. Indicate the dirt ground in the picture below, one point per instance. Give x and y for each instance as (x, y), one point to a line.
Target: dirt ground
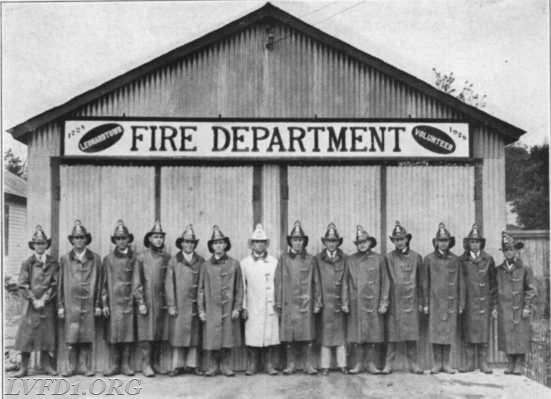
(397, 385)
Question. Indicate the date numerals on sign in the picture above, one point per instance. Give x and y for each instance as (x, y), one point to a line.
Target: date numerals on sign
(76, 130)
(458, 134)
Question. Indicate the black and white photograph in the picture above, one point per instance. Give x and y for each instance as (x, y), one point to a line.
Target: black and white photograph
(282, 200)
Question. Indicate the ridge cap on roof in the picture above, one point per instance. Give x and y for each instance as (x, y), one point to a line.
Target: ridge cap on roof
(510, 132)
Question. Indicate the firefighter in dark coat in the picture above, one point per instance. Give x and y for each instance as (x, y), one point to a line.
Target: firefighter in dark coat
(182, 287)
(479, 273)
(368, 290)
(220, 303)
(445, 295)
(297, 299)
(149, 293)
(79, 299)
(406, 298)
(516, 293)
(117, 299)
(331, 263)
(38, 283)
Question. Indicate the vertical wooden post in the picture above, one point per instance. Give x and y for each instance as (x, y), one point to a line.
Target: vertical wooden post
(283, 206)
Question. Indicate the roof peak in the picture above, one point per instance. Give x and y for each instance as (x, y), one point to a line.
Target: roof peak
(267, 10)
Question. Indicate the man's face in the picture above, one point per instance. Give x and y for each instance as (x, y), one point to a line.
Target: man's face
(364, 245)
(443, 245)
(400, 243)
(121, 242)
(188, 246)
(474, 245)
(510, 253)
(331, 244)
(258, 246)
(219, 247)
(157, 240)
(40, 247)
(297, 244)
(79, 242)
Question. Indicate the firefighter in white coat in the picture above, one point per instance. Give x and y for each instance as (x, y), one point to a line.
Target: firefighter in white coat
(261, 320)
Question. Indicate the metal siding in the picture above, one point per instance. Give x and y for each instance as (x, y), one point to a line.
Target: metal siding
(271, 206)
(239, 77)
(99, 196)
(421, 197)
(41, 146)
(345, 195)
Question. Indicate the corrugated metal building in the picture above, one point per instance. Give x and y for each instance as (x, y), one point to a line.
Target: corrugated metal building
(267, 64)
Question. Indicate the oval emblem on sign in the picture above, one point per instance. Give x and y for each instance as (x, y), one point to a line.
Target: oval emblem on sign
(101, 137)
(433, 139)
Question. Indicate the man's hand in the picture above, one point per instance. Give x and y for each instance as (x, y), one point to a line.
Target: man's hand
(61, 313)
(244, 314)
(142, 309)
(383, 309)
(97, 312)
(426, 310)
(106, 312)
(526, 313)
(235, 314)
(172, 311)
(38, 304)
(494, 313)
(202, 316)
(460, 310)
(345, 309)
(317, 309)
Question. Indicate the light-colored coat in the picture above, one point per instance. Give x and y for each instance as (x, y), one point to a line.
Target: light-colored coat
(261, 327)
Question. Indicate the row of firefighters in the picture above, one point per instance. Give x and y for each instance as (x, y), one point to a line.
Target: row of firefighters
(200, 305)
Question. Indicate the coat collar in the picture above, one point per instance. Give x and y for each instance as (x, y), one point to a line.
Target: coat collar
(293, 255)
(262, 257)
(444, 255)
(119, 254)
(405, 251)
(325, 256)
(180, 258)
(87, 254)
(517, 264)
(215, 261)
(48, 260)
(481, 256)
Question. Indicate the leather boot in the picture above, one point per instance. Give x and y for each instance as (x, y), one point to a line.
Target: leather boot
(358, 356)
(389, 358)
(47, 362)
(251, 361)
(125, 367)
(467, 361)
(510, 364)
(226, 363)
(210, 364)
(24, 369)
(270, 359)
(87, 352)
(115, 361)
(371, 368)
(446, 349)
(519, 365)
(483, 359)
(291, 367)
(72, 359)
(437, 359)
(309, 366)
(411, 350)
(147, 371)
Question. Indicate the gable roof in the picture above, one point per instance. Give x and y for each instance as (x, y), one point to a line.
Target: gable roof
(509, 132)
(14, 185)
